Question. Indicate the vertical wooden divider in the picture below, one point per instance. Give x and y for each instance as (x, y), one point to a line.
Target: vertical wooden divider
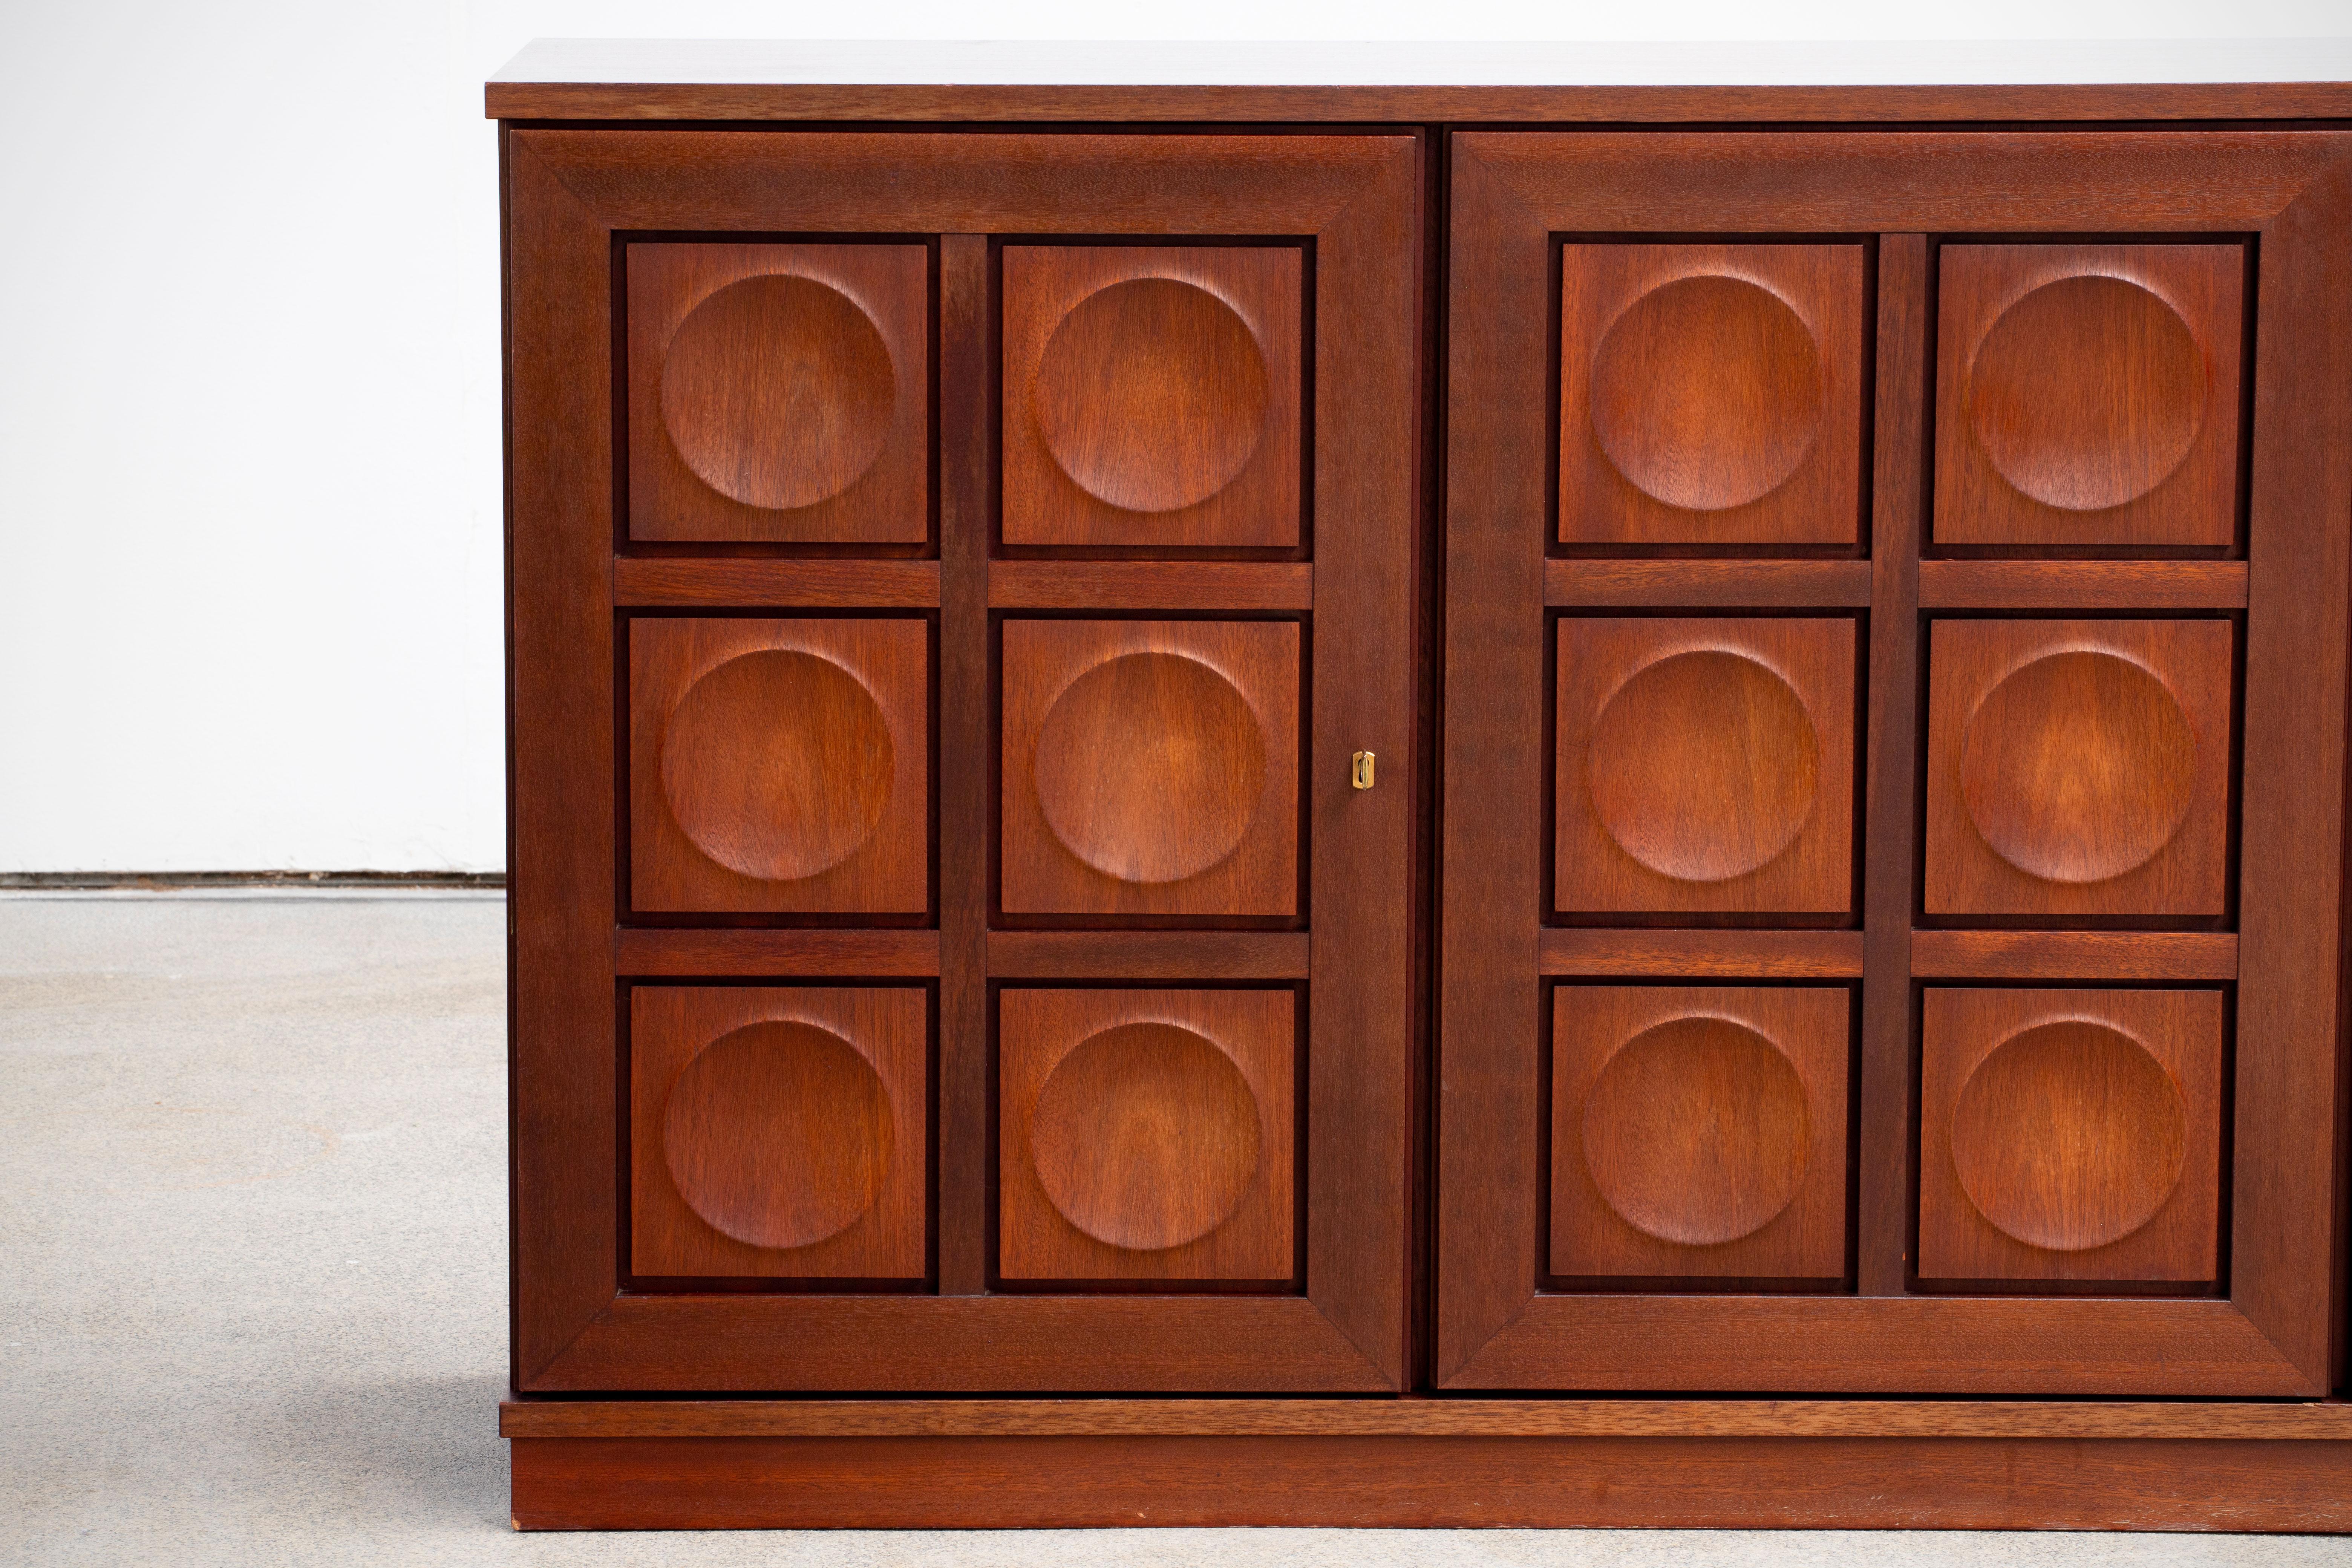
(1889, 832)
(965, 382)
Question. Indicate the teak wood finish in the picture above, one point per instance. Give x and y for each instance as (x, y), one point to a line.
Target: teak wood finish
(2275, 1331)
(955, 560)
(578, 202)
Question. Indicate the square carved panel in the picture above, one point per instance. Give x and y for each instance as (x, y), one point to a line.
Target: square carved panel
(1710, 393)
(777, 1132)
(2078, 767)
(2070, 1135)
(781, 765)
(1151, 768)
(779, 392)
(1705, 766)
(1699, 1131)
(1151, 395)
(2088, 395)
(1146, 1134)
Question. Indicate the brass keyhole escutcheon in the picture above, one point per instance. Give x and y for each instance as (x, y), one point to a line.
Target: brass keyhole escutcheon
(1362, 778)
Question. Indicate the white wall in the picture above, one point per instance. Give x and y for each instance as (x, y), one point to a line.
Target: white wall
(249, 491)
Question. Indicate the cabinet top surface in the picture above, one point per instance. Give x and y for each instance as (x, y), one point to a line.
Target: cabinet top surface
(610, 78)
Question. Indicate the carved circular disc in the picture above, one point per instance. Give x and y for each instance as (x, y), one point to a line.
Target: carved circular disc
(778, 390)
(2078, 767)
(778, 1134)
(1149, 767)
(1704, 765)
(1708, 392)
(2087, 393)
(1695, 1132)
(778, 764)
(2069, 1136)
(1145, 1136)
(1151, 395)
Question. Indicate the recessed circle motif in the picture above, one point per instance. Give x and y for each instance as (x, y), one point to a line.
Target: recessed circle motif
(2078, 767)
(1145, 1136)
(1704, 765)
(1149, 767)
(1152, 394)
(777, 764)
(778, 1134)
(1695, 1132)
(2069, 1136)
(778, 390)
(1708, 392)
(2087, 393)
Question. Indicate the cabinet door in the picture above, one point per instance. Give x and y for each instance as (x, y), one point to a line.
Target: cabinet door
(1893, 763)
(954, 577)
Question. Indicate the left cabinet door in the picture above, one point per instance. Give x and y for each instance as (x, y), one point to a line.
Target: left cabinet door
(951, 579)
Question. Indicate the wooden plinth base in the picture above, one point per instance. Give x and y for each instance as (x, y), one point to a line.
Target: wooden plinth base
(1023, 1464)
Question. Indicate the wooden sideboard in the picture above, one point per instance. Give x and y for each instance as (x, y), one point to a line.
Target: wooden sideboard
(1428, 804)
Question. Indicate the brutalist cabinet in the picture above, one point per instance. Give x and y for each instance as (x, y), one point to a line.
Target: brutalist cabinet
(1175, 746)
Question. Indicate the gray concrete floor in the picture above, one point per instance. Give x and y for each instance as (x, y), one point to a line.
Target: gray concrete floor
(252, 1206)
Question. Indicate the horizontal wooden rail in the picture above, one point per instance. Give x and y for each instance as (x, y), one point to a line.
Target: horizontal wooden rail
(1150, 585)
(1759, 955)
(747, 953)
(2074, 955)
(1194, 955)
(748, 582)
(1419, 1418)
(2137, 586)
(1708, 584)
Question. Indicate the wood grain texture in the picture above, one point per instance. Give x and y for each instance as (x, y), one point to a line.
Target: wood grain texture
(1883, 1207)
(1151, 395)
(779, 764)
(562, 845)
(2314, 1421)
(1732, 585)
(1699, 1131)
(2083, 585)
(2153, 102)
(680, 950)
(1711, 955)
(778, 392)
(777, 1131)
(1146, 1134)
(1149, 954)
(1014, 183)
(1563, 1482)
(1490, 840)
(1710, 393)
(1845, 182)
(2275, 1333)
(2070, 1134)
(2088, 395)
(1149, 767)
(2078, 767)
(2074, 956)
(736, 583)
(1150, 585)
(1704, 765)
(1356, 198)
(966, 492)
(2274, 1337)
(1010, 1343)
(2289, 1089)
(2042, 1347)
(1365, 1011)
